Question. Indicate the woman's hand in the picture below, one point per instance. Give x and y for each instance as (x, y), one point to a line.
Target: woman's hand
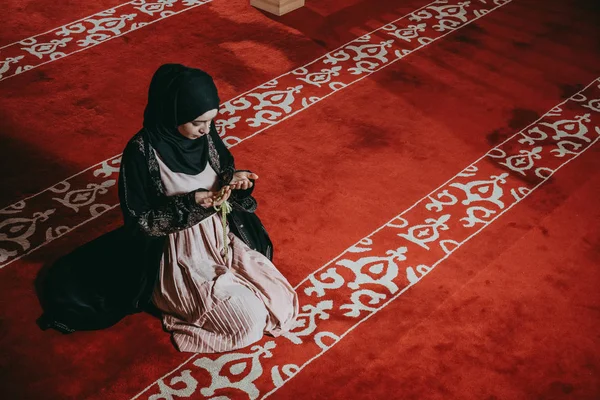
(242, 180)
(213, 199)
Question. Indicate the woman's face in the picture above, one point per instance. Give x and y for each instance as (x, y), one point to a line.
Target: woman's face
(199, 126)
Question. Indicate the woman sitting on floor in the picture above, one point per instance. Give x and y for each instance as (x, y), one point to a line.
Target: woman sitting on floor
(216, 290)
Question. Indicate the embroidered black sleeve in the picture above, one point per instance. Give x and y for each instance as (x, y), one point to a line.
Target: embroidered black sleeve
(152, 213)
(247, 204)
(226, 175)
(174, 214)
(222, 161)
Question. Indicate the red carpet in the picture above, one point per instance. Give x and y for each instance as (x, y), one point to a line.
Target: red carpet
(484, 288)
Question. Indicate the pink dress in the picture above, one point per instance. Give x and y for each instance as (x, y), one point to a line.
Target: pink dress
(210, 305)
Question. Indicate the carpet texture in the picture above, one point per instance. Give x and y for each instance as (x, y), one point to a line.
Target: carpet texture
(429, 175)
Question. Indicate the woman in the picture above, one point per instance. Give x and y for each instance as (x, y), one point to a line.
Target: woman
(216, 290)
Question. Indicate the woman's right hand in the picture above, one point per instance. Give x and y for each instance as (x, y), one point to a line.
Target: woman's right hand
(212, 199)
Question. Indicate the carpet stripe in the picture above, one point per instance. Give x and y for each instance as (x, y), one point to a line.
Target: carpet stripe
(88, 32)
(386, 263)
(95, 15)
(81, 198)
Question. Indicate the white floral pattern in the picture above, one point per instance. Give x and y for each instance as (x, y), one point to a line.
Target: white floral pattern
(35, 51)
(369, 275)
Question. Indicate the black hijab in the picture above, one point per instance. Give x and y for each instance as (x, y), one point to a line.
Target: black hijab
(177, 95)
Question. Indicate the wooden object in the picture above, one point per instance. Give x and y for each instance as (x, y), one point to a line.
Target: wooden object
(277, 7)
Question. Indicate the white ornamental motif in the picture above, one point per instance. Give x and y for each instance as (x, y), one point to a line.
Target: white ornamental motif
(593, 105)
(544, 172)
(153, 8)
(42, 49)
(428, 232)
(399, 54)
(309, 101)
(523, 161)
(5, 64)
(446, 10)
(101, 30)
(264, 117)
(272, 84)
(77, 199)
(282, 99)
(480, 13)
(307, 319)
(329, 335)
(566, 147)
(167, 392)
(570, 128)
(357, 305)
(97, 209)
(376, 270)
(445, 245)
(361, 246)
(438, 204)
(223, 125)
(406, 34)
(364, 38)
(396, 223)
(108, 167)
(14, 208)
(554, 112)
(533, 135)
(54, 233)
(468, 172)
(19, 230)
(411, 275)
(471, 219)
(231, 141)
(422, 15)
(248, 363)
(369, 56)
(320, 285)
(289, 370)
(484, 190)
(520, 194)
(334, 58)
(454, 12)
(6, 254)
(318, 78)
(239, 104)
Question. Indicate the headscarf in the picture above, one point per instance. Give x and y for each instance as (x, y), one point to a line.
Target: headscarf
(177, 95)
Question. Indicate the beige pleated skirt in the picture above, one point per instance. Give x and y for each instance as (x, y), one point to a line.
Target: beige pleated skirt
(212, 305)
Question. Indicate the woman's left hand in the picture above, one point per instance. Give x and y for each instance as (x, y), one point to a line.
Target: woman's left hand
(242, 180)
